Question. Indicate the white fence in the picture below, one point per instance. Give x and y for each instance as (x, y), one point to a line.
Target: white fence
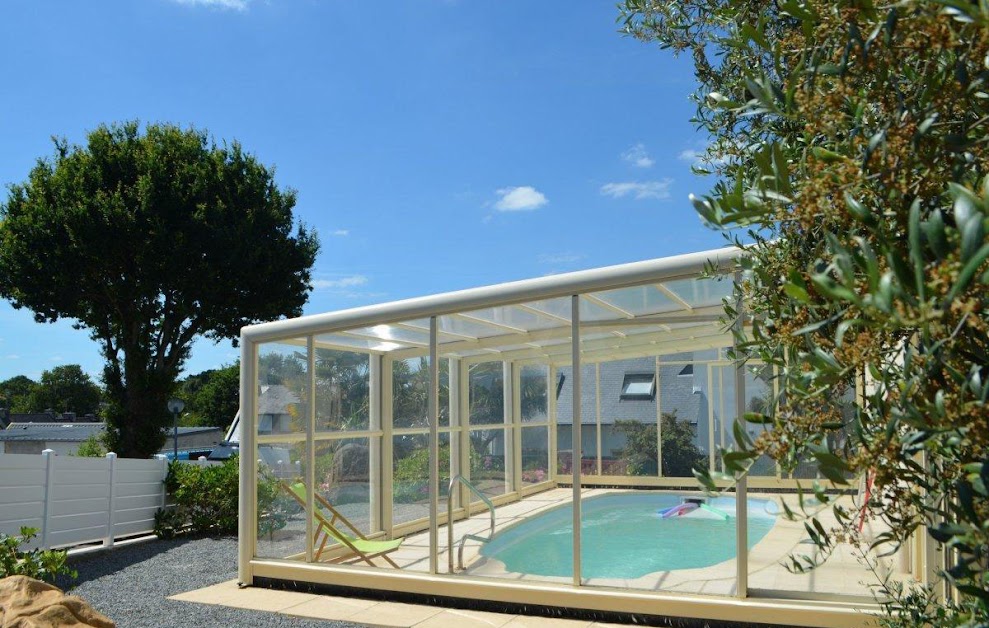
(73, 500)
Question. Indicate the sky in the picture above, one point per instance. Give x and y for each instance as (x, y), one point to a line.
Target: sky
(435, 144)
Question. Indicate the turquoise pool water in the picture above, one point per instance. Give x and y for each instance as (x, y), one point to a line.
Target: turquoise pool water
(623, 536)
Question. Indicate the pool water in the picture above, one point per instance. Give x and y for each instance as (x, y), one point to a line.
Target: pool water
(624, 536)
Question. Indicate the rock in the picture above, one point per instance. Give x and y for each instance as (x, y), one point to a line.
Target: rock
(29, 603)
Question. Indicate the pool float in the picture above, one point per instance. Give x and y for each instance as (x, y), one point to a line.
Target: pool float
(678, 510)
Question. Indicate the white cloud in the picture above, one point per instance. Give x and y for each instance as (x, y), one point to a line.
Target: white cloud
(236, 5)
(638, 157)
(559, 258)
(351, 281)
(690, 155)
(522, 198)
(639, 190)
(698, 157)
(56, 358)
(341, 233)
(12, 356)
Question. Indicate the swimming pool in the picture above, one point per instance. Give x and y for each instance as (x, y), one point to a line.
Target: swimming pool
(623, 535)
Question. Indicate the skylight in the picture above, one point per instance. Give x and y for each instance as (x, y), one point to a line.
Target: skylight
(639, 386)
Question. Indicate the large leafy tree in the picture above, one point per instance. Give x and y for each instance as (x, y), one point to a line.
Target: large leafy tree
(850, 140)
(65, 389)
(148, 239)
(212, 397)
(14, 393)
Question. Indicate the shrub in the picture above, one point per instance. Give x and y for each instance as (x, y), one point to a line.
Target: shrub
(93, 447)
(206, 501)
(37, 563)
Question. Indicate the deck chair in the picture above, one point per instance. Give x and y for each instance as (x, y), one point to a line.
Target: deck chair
(359, 546)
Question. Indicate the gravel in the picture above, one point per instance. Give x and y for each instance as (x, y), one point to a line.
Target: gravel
(130, 585)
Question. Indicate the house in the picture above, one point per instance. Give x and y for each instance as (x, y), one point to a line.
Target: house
(33, 438)
(276, 406)
(627, 390)
(64, 438)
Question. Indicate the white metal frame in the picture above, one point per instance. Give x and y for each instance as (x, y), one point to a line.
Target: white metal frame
(553, 348)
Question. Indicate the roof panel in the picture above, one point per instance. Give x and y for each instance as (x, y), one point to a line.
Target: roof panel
(702, 291)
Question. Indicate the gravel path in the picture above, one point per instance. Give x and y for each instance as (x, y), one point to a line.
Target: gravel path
(130, 585)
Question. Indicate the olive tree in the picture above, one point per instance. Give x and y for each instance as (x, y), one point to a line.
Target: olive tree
(149, 238)
(849, 138)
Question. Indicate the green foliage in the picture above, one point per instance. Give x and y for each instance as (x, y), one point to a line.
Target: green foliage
(851, 142)
(411, 482)
(39, 564)
(205, 500)
(149, 238)
(65, 389)
(681, 457)
(14, 393)
(93, 447)
(212, 397)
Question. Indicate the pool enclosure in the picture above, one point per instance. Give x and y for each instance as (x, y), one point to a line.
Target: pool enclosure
(532, 442)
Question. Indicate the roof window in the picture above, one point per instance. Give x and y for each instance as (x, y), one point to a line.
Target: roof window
(640, 386)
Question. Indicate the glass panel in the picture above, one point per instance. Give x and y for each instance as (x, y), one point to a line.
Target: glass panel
(588, 419)
(535, 455)
(639, 300)
(628, 424)
(342, 390)
(410, 491)
(560, 308)
(356, 343)
(410, 392)
(343, 489)
(281, 529)
(685, 397)
(843, 573)
(283, 380)
(703, 292)
(534, 400)
(486, 393)
(488, 458)
(758, 398)
(465, 326)
(393, 333)
(521, 319)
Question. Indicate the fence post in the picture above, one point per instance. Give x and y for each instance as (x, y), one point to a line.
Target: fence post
(49, 455)
(163, 461)
(111, 516)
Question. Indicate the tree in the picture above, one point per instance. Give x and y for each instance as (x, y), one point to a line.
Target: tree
(212, 397)
(850, 140)
(148, 240)
(65, 389)
(681, 455)
(14, 393)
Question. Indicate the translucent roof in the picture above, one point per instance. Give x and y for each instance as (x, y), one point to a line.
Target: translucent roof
(664, 306)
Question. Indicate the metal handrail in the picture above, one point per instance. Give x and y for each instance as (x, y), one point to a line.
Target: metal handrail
(449, 517)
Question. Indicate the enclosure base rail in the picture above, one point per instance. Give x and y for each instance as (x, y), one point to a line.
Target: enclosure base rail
(449, 519)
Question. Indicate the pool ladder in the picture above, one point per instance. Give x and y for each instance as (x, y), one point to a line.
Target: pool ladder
(449, 520)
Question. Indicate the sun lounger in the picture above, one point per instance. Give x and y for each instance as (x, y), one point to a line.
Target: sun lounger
(359, 546)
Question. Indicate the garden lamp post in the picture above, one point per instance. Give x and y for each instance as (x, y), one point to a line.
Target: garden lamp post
(175, 406)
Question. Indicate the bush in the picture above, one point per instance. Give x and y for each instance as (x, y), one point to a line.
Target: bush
(93, 447)
(206, 501)
(37, 563)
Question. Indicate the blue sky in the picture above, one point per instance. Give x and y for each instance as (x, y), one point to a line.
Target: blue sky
(435, 144)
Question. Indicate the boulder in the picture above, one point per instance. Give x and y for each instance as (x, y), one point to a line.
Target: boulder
(29, 603)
